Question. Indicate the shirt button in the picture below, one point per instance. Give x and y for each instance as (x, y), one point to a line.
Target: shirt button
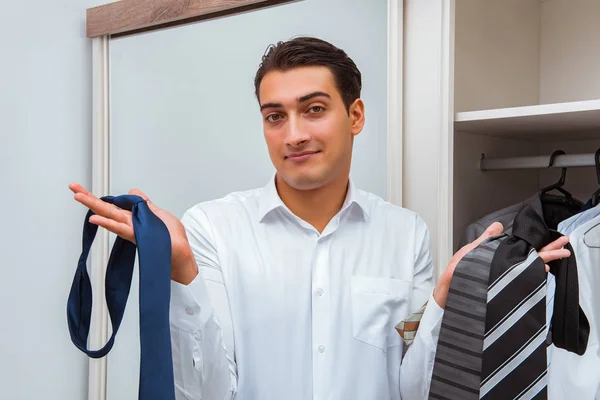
(319, 292)
(321, 349)
(189, 310)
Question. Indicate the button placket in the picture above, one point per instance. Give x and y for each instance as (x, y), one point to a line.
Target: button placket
(321, 307)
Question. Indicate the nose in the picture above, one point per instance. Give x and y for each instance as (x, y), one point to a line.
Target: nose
(296, 134)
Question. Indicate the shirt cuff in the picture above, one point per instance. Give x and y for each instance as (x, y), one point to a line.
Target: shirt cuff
(431, 323)
(190, 307)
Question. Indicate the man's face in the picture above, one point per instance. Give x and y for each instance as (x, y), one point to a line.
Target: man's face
(308, 131)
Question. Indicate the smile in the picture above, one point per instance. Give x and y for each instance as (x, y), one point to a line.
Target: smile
(299, 157)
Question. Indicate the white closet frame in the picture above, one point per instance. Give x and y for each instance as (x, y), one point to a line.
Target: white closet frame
(101, 162)
(428, 119)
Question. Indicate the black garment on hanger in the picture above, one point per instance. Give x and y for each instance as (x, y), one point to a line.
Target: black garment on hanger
(556, 209)
(551, 207)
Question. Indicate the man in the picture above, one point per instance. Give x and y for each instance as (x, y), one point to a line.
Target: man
(293, 291)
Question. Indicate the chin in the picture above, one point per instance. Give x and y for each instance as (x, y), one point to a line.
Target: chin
(304, 181)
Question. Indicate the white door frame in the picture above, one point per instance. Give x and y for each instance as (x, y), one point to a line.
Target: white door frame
(98, 335)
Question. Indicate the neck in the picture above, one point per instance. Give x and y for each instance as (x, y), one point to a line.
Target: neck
(316, 206)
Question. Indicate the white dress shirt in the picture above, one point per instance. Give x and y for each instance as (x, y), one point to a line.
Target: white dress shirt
(571, 375)
(279, 311)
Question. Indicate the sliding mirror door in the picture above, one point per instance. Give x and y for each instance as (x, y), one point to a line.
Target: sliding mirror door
(185, 126)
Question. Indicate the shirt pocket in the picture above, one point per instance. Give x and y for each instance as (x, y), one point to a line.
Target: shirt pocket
(378, 304)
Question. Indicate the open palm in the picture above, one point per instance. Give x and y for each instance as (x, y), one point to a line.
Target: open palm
(119, 221)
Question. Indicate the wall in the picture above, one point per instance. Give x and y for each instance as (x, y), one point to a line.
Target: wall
(45, 111)
(497, 66)
(550, 54)
(570, 51)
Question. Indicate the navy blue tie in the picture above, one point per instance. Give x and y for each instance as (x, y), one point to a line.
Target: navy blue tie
(154, 252)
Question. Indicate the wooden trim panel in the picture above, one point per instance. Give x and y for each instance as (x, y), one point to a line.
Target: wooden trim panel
(126, 17)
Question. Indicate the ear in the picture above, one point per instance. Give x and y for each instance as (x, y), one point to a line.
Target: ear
(357, 116)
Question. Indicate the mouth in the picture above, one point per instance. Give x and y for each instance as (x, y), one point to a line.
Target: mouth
(302, 156)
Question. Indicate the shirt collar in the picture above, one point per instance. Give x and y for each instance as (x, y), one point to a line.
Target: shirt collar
(269, 200)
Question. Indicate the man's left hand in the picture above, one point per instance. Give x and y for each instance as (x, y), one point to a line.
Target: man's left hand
(552, 251)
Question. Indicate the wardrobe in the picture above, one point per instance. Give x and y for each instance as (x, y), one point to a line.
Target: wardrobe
(491, 88)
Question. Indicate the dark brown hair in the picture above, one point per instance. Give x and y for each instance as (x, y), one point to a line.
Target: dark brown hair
(309, 51)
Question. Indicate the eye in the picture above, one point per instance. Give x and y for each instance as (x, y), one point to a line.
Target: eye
(315, 109)
(273, 117)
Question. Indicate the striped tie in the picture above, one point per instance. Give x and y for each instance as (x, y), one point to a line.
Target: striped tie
(493, 338)
(514, 348)
(457, 368)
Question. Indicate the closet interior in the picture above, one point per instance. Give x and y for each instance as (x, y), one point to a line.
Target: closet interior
(526, 85)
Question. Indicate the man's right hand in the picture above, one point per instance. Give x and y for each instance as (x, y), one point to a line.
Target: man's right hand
(119, 222)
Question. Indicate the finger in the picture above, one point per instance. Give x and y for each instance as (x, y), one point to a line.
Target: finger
(494, 229)
(491, 230)
(547, 268)
(102, 208)
(118, 228)
(557, 244)
(77, 188)
(552, 255)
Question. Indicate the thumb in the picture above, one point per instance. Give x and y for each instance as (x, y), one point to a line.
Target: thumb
(138, 192)
(494, 229)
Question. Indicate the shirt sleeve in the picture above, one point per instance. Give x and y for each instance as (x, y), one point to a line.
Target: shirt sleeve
(201, 327)
(417, 364)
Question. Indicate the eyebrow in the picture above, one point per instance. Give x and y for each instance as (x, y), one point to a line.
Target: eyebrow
(300, 100)
(313, 95)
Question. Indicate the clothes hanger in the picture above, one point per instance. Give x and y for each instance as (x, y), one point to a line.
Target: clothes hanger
(596, 195)
(591, 237)
(567, 204)
(568, 197)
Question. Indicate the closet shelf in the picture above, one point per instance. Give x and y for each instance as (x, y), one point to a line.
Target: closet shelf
(565, 121)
